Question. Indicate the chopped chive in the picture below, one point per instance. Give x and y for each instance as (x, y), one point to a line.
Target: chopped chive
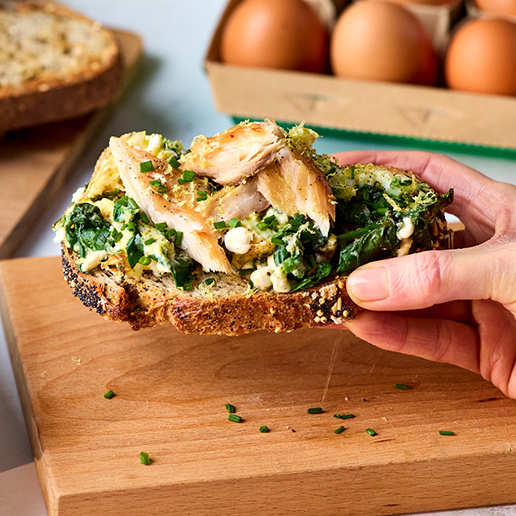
(230, 408)
(202, 195)
(146, 166)
(179, 238)
(117, 236)
(344, 416)
(251, 284)
(173, 162)
(170, 233)
(234, 223)
(155, 182)
(187, 177)
(262, 226)
(124, 227)
(371, 432)
(133, 204)
(264, 429)
(145, 260)
(446, 432)
(131, 226)
(109, 395)
(339, 430)
(234, 418)
(144, 458)
(150, 241)
(352, 172)
(315, 410)
(144, 217)
(162, 190)
(161, 226)
(219, 225)
(210, 281)
(401, 386)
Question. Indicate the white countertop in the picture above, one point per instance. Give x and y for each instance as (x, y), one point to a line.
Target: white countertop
(171, 96)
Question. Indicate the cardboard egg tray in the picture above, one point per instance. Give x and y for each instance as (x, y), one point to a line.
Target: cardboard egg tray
(427, 116)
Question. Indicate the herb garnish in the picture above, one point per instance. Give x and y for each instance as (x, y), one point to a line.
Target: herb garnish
(187, 177)
(146, 166)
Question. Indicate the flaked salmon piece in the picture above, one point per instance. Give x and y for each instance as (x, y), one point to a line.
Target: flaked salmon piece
(199, 241)
(235, 154)
(293, 184)
(235, 202)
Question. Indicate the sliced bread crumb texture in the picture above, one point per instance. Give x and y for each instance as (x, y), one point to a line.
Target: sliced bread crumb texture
(228, 307)
(54, 64)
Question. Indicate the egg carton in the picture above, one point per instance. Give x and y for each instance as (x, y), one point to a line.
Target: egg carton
(422, 115)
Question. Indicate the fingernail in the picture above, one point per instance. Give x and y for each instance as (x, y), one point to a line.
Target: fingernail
(369, 284)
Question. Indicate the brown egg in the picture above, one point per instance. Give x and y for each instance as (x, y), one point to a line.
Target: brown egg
(481, 57)
(423, 2)
(504, 7)
(285, 34)
(382, 41)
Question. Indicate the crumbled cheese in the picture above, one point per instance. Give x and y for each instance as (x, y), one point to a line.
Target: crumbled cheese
(406, 230)
(261, 278)
(238, 240)
(279, 281)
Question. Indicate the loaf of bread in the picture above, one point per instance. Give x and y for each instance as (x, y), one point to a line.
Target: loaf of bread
(55, 64)
(247, 230)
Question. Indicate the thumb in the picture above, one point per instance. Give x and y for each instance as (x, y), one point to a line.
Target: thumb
(424, 279)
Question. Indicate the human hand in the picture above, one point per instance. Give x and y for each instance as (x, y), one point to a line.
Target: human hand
(456, 306)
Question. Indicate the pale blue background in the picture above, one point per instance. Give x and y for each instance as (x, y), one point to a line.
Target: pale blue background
(171, 96)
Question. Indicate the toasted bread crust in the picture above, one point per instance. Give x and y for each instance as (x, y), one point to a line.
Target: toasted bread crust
(224, 313)
(53, 99)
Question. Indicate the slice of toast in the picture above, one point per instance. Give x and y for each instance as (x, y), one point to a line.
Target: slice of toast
(228, 307)
(144, 295)
(55, 64)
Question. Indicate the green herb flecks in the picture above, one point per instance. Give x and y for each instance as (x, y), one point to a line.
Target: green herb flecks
(344, 416)
(339, 430)
(144, 458)
(230, 408)
(109, 394)
(371, 432)
(401, 386)
(234, 418)
(446, 432)
(187, 177)
(315, 410)
(146, 166)
(264, 429)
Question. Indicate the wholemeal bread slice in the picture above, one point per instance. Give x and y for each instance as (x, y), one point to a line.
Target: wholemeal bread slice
(229, 307)
(128, 282)
(55, 64)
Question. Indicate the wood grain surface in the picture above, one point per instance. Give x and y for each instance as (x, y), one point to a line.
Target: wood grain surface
(34, 162)
(170, 395)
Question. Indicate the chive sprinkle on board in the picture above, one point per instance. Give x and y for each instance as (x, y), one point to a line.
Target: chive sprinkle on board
(315, 410)
(371, 432)
(230, 408)
(109, 395)
(344, 416)
(234, 418)
(264, 429)
(144, 458)
(446, 432)
(401, 386)
(339, 430)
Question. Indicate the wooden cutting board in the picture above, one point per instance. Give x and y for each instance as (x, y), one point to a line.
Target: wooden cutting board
(170, 395)
(34, 162)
